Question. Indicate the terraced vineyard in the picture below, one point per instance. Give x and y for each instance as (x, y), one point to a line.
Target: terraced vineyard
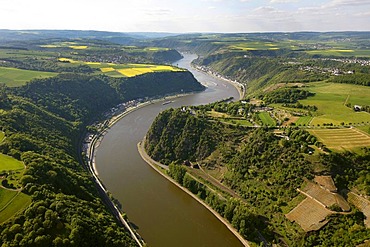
(362, 204)
(309, 214)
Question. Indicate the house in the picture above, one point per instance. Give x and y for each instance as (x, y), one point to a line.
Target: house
(357, 107)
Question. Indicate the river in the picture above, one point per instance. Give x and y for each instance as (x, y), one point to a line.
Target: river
(164, 214)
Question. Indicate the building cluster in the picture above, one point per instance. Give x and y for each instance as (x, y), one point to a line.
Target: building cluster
(333, 71)
(362, 62)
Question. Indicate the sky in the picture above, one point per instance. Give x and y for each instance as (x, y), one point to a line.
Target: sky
(183, 16)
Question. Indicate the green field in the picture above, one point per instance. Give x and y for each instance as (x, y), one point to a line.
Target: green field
(304, 121)
(13, 77)
(6, 196)
(330, 99)
(9, 163)
(341, 52)
(365, 128)
(342, 139)
(12, 202)
(266, 119)
(328, 48)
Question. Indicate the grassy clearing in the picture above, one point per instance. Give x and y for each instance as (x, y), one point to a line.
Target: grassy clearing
(330, 99)
(13, 77)
(266, 119)
(304, 121)
(9, 163)
(12, 205)
(242, 122)
(342, 139)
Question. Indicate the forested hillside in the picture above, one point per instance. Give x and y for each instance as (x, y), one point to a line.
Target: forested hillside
(263, 168)
(42, 122)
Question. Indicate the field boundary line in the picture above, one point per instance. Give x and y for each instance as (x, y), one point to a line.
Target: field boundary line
(345, 102)
(361, 132)
(10, 201)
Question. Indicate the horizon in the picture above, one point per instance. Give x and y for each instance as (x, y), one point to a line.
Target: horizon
(182, 33)
(189, 16)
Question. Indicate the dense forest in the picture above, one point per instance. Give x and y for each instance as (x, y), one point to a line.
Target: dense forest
(263, 168)
(43, 122)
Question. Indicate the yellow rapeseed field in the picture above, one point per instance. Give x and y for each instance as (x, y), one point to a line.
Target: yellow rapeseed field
(49, 46)
(131, 72)
(78, 47)
(92, 63)
(63, 59)
(109, 69)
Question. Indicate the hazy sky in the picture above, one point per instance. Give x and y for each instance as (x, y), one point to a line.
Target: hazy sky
(186, 15)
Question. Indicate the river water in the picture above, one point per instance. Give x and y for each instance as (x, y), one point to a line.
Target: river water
(164, 214)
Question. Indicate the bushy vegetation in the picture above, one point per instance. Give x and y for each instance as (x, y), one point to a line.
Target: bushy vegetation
(358, 78)
(42, 122)
(261, 167)
(286, 95)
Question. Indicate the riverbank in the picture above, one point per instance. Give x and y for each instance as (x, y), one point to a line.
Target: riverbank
(238, 86)
(90, 151)
(154, 164)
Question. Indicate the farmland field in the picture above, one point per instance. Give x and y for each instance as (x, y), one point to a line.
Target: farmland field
(13, 77)
(6, 196)
(124, 70)
(330, 99)
(341, 52)
(266, 119)
(304, 121)
(11, 203)
(342, 139)
(9, 163)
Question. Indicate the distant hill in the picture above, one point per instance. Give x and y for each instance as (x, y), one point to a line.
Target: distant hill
(115, 37)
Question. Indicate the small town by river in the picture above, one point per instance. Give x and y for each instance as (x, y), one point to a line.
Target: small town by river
(163, 214)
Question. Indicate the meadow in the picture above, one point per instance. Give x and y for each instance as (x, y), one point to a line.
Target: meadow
(13, 77)
(266, 119)
(330, 98)
(9, 163)
(11, 203)
(304, 121)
